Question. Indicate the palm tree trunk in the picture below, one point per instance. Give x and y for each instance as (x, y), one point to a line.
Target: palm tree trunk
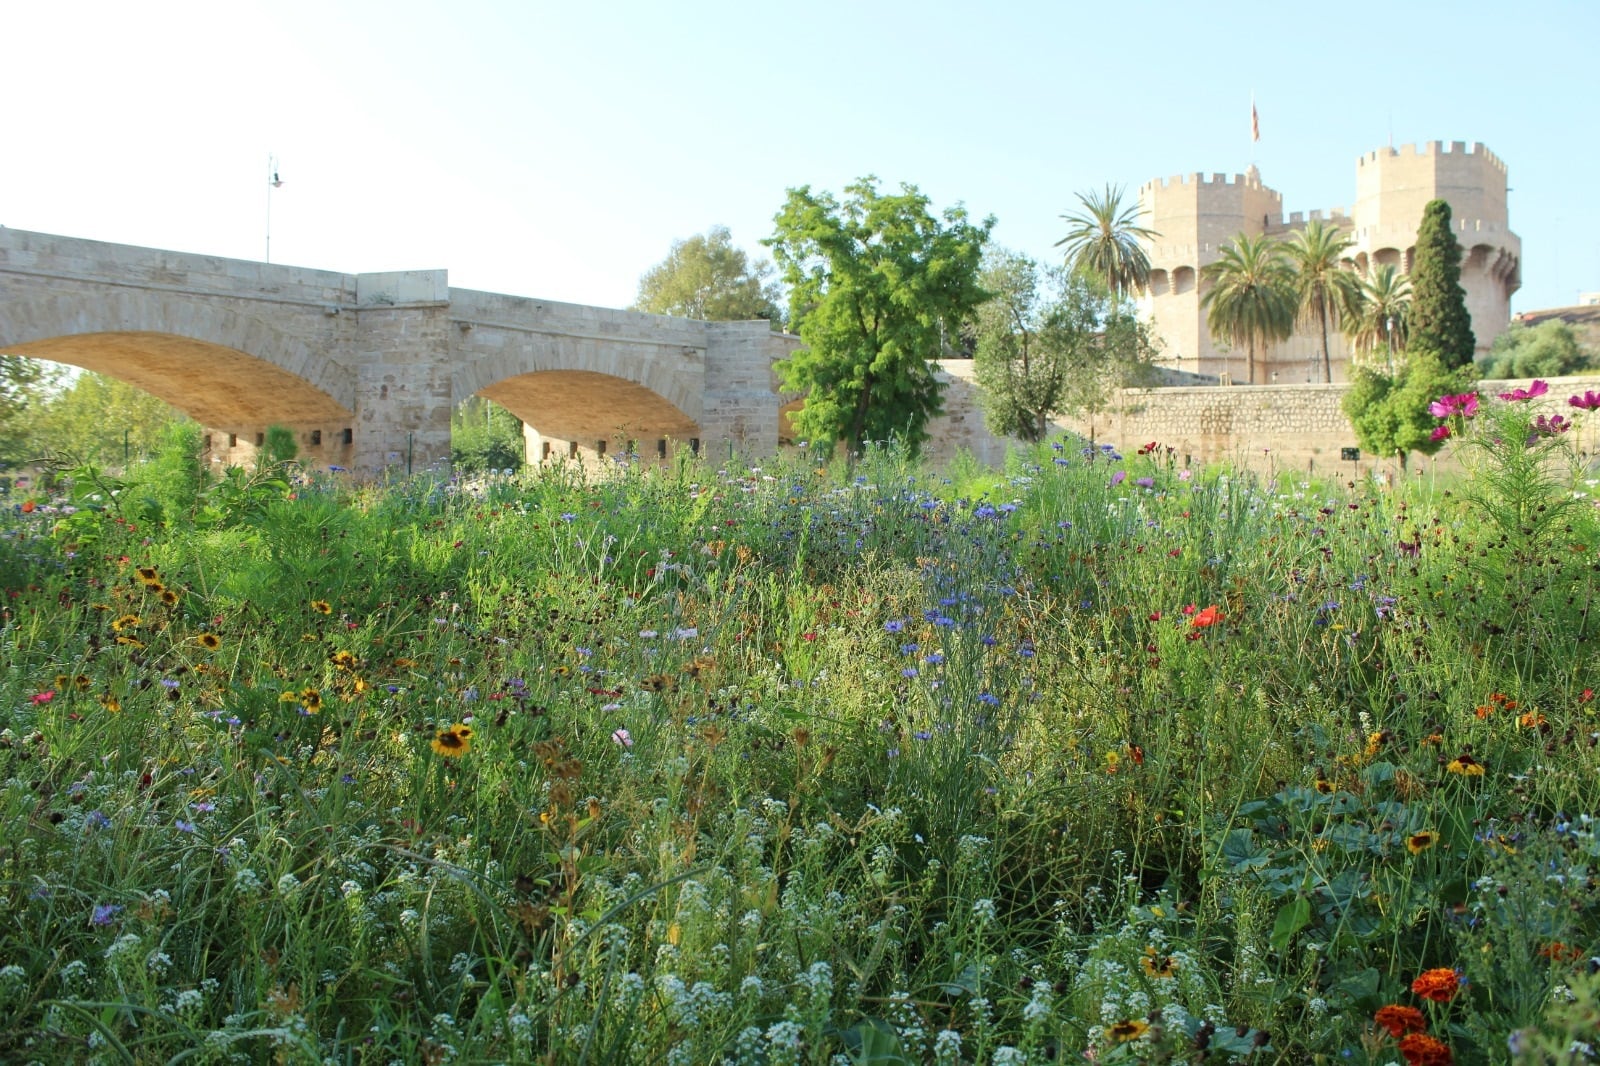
(1250, 365)
(1327, 364)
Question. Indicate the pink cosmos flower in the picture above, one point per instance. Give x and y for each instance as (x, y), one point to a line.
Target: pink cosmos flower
(1587, 402)
(1538, 388)
(1464, 404)
(622, 738)
(1440, 433)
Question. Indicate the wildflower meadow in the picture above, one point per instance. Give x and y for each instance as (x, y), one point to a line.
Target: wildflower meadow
(1097, 758)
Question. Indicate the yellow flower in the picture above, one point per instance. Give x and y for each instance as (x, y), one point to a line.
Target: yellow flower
(1465, 765)
(1127, 1029)
(1417, 843)
(149, 575)
(131, 642)
(209, 641)
(311, 700)
(110, 702)
(344, 660)
(322, 606)
(169, 597)
(127, 621)
(1157, 965)
(453, 742)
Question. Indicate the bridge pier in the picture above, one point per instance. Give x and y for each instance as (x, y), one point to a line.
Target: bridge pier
(403, 368)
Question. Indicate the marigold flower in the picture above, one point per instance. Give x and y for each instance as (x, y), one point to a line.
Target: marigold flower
(1128, 1029)
(1400, 1020)
(1420, 1049)
(1440, 985)
(1417, 843)
(453, 742)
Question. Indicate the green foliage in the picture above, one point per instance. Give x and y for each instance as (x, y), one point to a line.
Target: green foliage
(24, 385)
(100, 420)
(1025, 341)
(1439, 320)
(1326, 290)
(876, 284)
(1380, 319)
(706, 277)
(1390, 412)
(1252, 300)
(1101, 759)
(1103, 242)
(279, 445)
(1548, 350)
(485, 436)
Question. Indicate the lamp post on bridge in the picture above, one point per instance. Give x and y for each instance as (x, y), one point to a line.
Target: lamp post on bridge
(273, 182)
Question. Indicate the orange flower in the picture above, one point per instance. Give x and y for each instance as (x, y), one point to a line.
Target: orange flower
(1420, 1049)
(1208, 617)
(1439, 985)
(1400, 1020)
(1556, 951)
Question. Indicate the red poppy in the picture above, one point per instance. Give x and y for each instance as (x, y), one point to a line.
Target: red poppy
(1208, 617)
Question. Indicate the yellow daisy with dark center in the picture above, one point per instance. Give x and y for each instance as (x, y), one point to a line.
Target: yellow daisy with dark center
(1128, 1029)
(453, 742)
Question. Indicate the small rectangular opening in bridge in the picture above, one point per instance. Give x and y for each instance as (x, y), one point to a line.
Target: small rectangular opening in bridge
(661, 448)
(694, 445)
(600, 447)
(233, 440)
(544, 451)
(349, 435)
(316, 437)
(261, 440)
(572, 449)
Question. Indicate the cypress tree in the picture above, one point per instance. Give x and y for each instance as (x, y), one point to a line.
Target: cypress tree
(1439, 322)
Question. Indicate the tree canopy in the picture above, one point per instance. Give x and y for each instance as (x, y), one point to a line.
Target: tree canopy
(1389, 412)
(101, 420)
(1548, 350)
(1439, 320)
(706, 277)
(23, 384)
(1326, 289)
(1378, 320)
(1103, 241)
(876, 285)
(1252, 298)
(1050, 342)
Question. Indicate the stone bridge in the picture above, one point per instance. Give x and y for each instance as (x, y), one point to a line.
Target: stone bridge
(366, 368)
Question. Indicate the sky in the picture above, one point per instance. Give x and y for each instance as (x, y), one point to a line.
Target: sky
(557, 150)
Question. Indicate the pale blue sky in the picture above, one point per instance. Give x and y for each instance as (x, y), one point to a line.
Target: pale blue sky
(557, 150)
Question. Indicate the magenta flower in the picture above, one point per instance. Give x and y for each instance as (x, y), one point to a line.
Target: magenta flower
(1538, 388)
(1464, 404)
(1587, 402)
(1439, 433)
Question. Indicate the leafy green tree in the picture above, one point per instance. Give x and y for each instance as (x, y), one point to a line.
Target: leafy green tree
(1251, 301)
(1389, 412)
(1325, 288)
(1103, 241)
(24, 383)
(1378, 321)
(706, 277)
(1123, 355)
(100, 420)
(876, 284)
(485, 436)
(1439, 320)
(1548, 350)
(1028, 338)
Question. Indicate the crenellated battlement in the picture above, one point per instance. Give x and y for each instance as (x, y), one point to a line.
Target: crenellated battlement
(1178, 181)
(1336, 215)
(1434, 148)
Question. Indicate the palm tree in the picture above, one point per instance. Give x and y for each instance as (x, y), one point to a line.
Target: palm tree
(1103, 242)
(1379, 319)
(1252, 300)
(1326, 289)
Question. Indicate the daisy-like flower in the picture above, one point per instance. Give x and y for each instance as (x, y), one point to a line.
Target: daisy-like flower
(1439, 985)
(169, 597)
(311, 700)
(1400, 1020)
(209, 641)
(1417, 843)
(1465, 765)
(110, 702)
(453, 742)
(322, 606)
(131, 642)
(127, 621)
(1127, 1030)
(149, 576)
(1156, 965)
(344, 660)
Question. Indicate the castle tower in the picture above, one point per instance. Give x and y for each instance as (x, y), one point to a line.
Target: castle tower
(1195, 217)
(1393, 185)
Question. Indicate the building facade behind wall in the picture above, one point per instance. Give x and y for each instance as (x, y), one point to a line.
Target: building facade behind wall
(1195, 217)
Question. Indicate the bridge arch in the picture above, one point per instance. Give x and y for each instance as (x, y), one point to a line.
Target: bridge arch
(220, 367)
